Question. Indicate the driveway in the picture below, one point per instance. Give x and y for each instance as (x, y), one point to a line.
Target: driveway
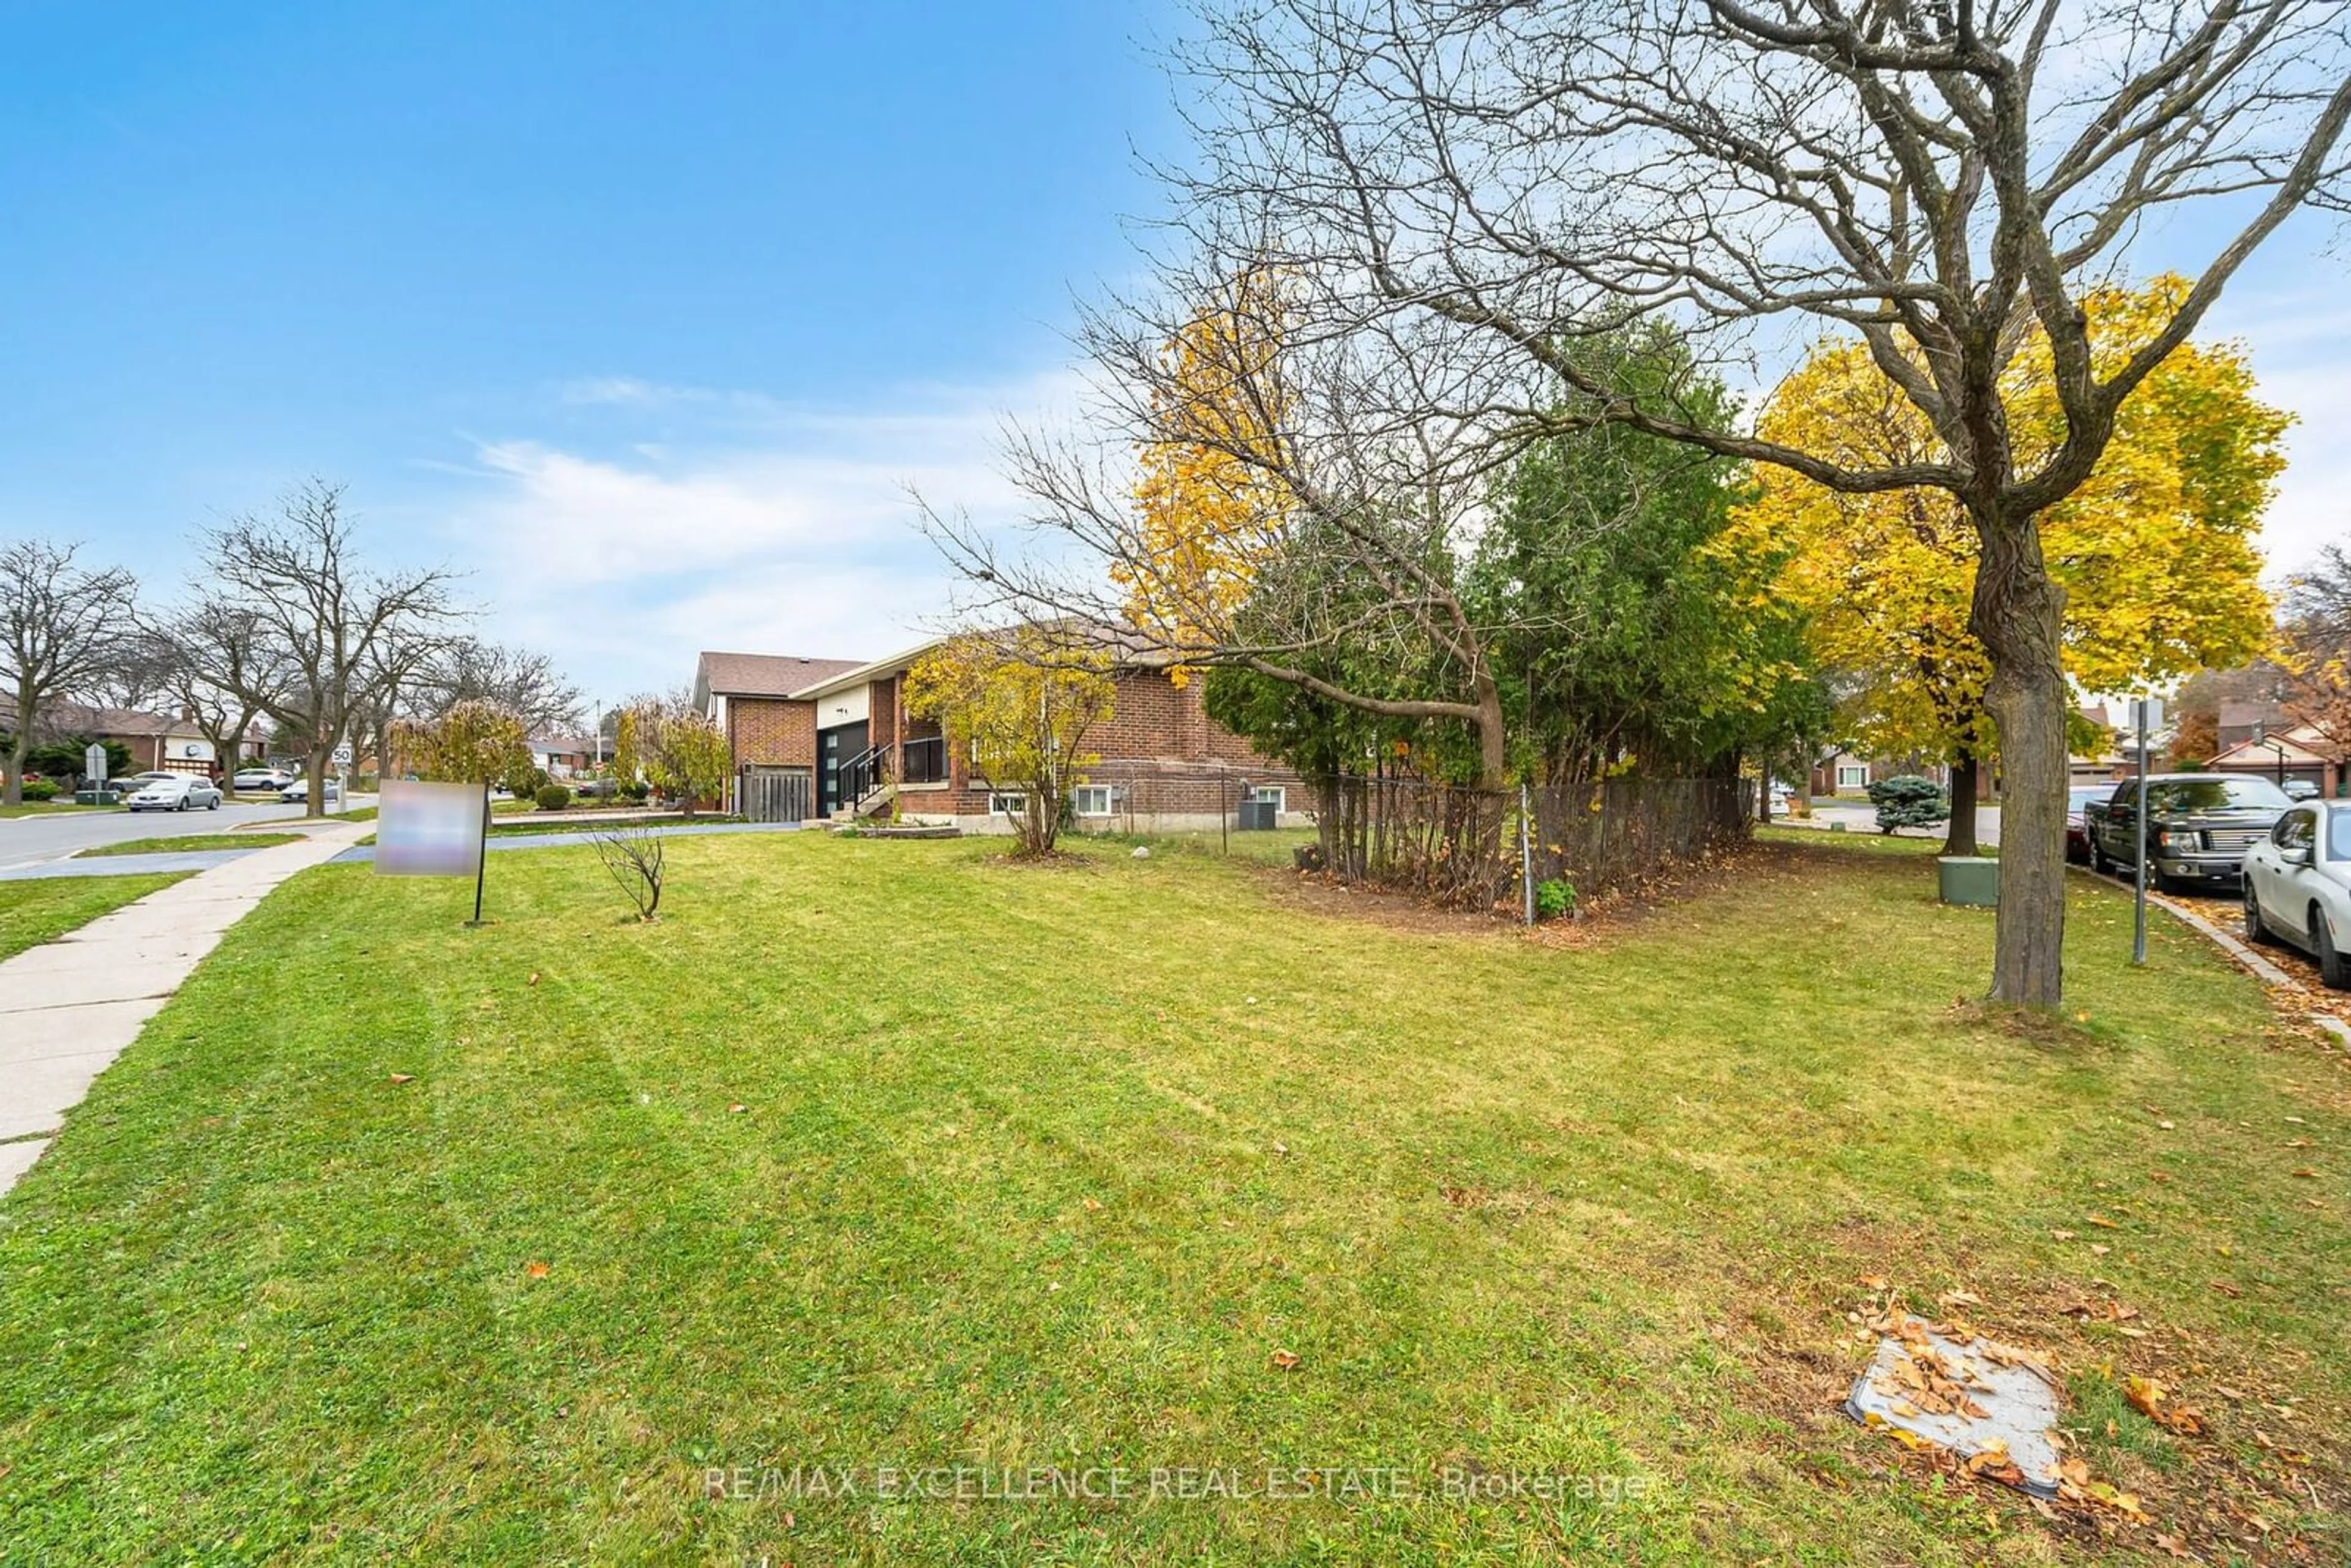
(46, 836)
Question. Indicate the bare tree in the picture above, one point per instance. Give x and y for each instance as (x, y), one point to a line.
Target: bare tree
(63, 627)
(1469, 193)
(2314, 684)
(528, 683)
(1336, 566)
(140, 675)
(343, 630)
(216, 660)
(631, 853)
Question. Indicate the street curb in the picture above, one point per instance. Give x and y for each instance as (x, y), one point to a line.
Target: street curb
(2260, 968)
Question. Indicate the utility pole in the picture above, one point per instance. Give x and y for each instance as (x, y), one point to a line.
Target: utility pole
(2148, 712)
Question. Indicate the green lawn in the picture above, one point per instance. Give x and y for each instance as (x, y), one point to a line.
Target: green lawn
(892, 1154)
(42, 910)
(43, 808)
(188, 843)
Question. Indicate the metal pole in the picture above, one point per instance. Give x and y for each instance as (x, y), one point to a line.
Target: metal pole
(2138, 868)
(482, 860)
(1526, 852)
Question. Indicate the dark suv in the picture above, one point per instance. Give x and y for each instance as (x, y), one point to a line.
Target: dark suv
(2199, 826)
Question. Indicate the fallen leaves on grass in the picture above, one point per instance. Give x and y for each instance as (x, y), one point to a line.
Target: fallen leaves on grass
(2146, 1397)
(2075, 1484)
(1285, 1360)
(403, 1078)
(535, 1271)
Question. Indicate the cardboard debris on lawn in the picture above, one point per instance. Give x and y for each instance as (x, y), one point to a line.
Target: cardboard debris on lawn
(1991, 1405)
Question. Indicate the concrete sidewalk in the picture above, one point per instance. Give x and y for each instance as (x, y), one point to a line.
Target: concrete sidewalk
(68, 1009)
(125, 865)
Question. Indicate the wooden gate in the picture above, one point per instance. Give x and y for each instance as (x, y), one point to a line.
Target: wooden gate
(778, 797)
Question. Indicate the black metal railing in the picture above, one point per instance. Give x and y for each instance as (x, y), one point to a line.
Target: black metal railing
(926, 761)
(862, 774)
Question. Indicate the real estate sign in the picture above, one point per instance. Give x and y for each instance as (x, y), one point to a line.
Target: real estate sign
(430, 830)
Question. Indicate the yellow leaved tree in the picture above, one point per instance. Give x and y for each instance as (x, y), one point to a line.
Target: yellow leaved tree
(1208, 510)
(476, 742)
(1020, 704)
(2155, 552)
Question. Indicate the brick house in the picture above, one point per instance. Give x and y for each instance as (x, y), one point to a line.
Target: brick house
(158, 742)
(565, 756)
(844, 730)
(2288, 753)
(770, 730)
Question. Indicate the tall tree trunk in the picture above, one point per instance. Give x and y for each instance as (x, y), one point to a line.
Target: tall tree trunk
(1960, 837)
(2017, 614)
(1493, 735)
(322, 757)
(20, 743)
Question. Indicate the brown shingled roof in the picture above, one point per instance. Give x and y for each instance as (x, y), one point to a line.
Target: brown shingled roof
(768, 674)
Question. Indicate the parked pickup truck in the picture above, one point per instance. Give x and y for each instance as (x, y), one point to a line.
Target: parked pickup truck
(2199, 826)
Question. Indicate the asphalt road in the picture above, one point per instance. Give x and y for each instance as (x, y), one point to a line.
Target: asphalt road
(47, 836)
(1858, 818)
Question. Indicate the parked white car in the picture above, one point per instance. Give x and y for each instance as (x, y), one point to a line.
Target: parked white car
(262, 778)
(299, 792)
(2298, 885)
(175, 792)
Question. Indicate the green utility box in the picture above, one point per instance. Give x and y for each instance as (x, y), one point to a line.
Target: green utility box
(1969, 879)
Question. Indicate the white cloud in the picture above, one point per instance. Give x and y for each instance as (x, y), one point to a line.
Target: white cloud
(740, 523)
(2295, 338)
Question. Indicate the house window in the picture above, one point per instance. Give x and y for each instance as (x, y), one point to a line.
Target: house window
(1095, 799)
(1274, 795)
(1007, 805)
(1852, 775)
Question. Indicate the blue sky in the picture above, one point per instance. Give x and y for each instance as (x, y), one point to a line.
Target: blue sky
(642, 314)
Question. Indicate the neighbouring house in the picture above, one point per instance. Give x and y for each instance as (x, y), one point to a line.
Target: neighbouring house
(2118, 752)
(565, 756)
(158, 742)
(830, 738)
(770, 729)
(1849, 770)
(2285, 753)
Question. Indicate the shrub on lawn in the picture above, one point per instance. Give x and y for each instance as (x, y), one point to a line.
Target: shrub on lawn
(1910, 802)
(552, 797)
(40, 789)
(1554, 898)
(637, 789)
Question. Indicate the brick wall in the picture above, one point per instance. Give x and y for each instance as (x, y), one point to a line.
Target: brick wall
(881, 721)
(1159, 748)
(771, 731)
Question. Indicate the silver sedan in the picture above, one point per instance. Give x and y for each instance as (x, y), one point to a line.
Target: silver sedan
(177, 792)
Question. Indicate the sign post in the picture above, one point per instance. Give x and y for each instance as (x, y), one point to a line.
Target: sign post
(481, 858)
(2148, 714)
(93, 764)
